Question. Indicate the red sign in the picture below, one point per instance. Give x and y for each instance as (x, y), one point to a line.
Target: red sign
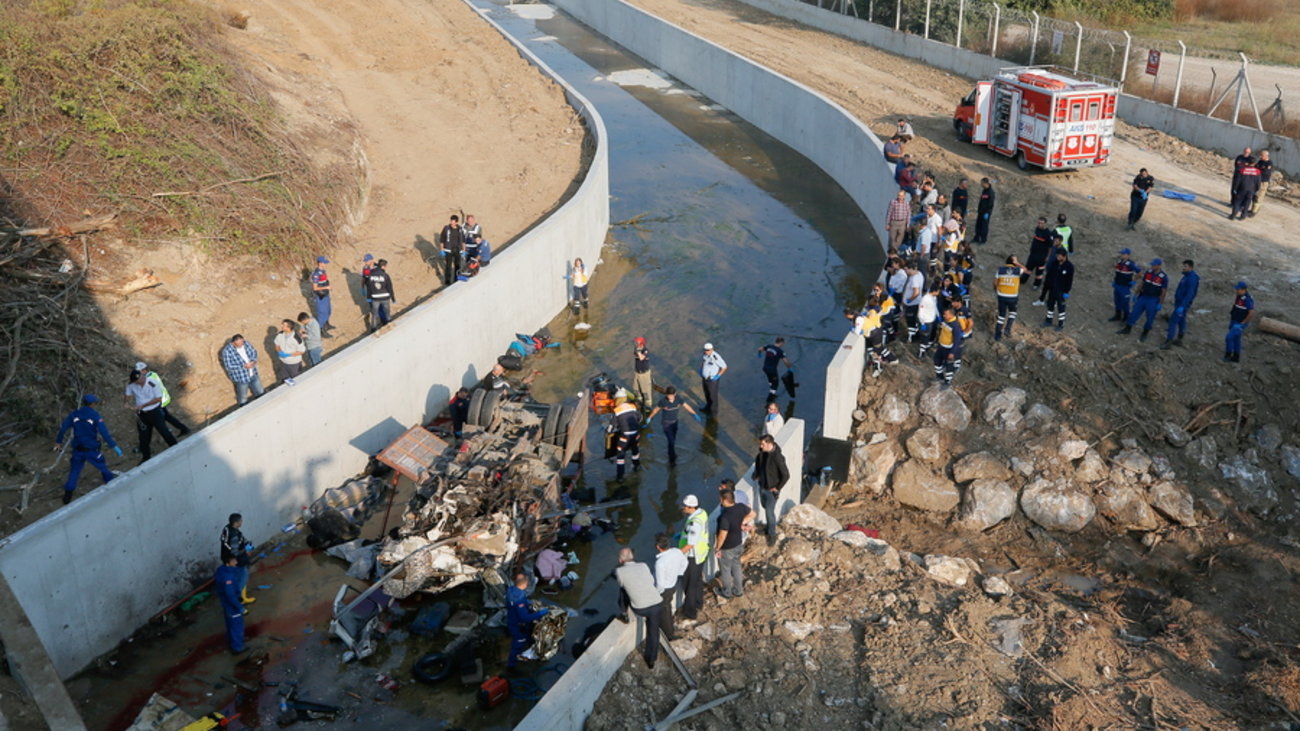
(1153, 62)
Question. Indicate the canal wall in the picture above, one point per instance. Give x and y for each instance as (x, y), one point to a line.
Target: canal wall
(90, 574)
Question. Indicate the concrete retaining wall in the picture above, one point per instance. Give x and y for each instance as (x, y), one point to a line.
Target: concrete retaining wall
(843, 381)
(808, 122)
(90, 574)
(1205, 132)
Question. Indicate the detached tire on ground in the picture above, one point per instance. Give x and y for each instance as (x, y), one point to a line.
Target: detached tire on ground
(561, 437)
(475, 405)
(489, 409)
(548, 425)
(432, 668)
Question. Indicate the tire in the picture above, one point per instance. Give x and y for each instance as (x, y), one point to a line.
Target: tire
(561, 438)
(1021, 162)
(960, 128)
(548, 425)
(432, 668)
(489, 408)
(475, 405)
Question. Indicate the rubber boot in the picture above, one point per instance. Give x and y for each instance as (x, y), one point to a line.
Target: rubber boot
(1117, 317)
(1143, 337)
(1167, 344)
(1124, 330)
(245, 598)
(1178, 341)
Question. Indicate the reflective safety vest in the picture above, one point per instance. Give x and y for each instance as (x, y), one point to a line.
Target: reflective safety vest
(952, 243)
(1008, 281)
(946, 327)
(887, 306)
(157, 379)
(696, 533)
(871, 322)
(1065, 232)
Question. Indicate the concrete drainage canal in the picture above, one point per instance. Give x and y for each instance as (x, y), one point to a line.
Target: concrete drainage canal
(722, 235)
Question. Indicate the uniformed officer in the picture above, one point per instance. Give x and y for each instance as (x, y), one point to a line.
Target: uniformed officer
(694, 542)
(984, 211)
(520, 618)
(888, 311)
(1056, 287)
(320, 286)
(226, 583)
(773, 355)
(88, 428)
(873, 329)
(1243, 311)
(627, 425)
(1137, 197)
(1006, 283)
(1066, 233)
(1040, 252)
(1184, 296)
(1247, 188)
(949, 340)
(1151, 296)
(1126, 270)
(452, 244)
(712, 366)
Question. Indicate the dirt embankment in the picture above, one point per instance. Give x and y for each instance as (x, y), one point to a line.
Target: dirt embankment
(396, 114)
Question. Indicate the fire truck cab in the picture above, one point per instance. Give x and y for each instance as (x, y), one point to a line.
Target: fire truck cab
(1040, 116)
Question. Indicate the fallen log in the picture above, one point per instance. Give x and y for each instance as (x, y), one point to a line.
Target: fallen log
(84, 226)
(144, 279)
(1279, 328)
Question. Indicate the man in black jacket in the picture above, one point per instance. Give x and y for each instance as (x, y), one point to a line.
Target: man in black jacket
(771, 474)
(984, 211)
(1040, 250)
(452, 240)
(379, 292)
(1056, 287)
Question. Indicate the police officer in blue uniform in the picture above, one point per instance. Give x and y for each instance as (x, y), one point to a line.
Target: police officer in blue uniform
(1184, 296)
(1126, 270)
(320, 287)
(520, 618)
(1243, 311)
(1151, 296)
(87, 429)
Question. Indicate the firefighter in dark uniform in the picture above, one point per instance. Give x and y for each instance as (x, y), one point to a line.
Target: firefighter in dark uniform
(1247, 187)
(1137, 198)
(1243, 311)
(1151, 297)
(948, 354)
(452, 240)
(87, 429)
(984, 211)
(1056, 287)
(627, 429)
(1126, 270)
(773, 355)
(1006, 283)
(1040, 250)
(320, 287)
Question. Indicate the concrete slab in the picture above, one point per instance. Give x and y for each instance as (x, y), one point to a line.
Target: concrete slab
(30, 665)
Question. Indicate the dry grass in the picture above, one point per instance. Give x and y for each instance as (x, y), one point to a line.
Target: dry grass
(1232, 11)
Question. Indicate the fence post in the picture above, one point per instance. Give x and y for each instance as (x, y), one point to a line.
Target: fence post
(997, 20)
(927, 20)
(961, 18)
(871, 11)
(1123, 68)
(1241, 82)
(1078, 45)
(898, 14)
(1178, 79)
(1033, 43)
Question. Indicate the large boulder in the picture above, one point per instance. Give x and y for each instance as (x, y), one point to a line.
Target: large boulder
(1072, 449)
(985, 504)
(924, 444)
(1056, 505)
(1002, 408)
(1124, 506)
(878, 549)
(1092, 468)
(872, 464)
(806, 516)
(917, 486)
(946, 407)
(893, 409)
(1251, 484)
(980, 466)
(1173, 501)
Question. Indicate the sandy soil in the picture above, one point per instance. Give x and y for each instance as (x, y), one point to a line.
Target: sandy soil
(431, 112)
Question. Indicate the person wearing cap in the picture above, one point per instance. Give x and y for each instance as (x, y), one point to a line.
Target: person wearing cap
(1137, 198)
(1244, 191)
(1151, 296)
(637, 592)
(380, 294)
(320, 287)
(239, 360)
(770, 474)
(520, 619)
(152, 375)
(668, 406)
(1188, 285)
(452, 240)
(712, 366)
(226, 584)
(1243, 311)
(627, 428)
(145, 398)
(1056, 288)
(311, 338)
(88, 428)
(773, 356)
(1126, 271)
(1265, 167)
(694, 542)
(642, 379)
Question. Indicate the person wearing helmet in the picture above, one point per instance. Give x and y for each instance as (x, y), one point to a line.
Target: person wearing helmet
(642, 382)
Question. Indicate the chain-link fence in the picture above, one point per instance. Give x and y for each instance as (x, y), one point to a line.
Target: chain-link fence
(1197, 79)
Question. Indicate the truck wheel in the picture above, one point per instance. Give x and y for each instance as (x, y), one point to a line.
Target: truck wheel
(475, 406)
(561, 437)
(1021, 162)
(489, 408)
(960, 127)
(432, 668)
(548, 426)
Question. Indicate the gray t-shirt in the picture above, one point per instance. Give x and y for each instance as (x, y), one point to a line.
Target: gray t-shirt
(311, 334)
(636, 580)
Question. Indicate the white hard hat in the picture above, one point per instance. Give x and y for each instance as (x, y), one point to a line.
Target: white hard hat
(691, 501)
(708, 346)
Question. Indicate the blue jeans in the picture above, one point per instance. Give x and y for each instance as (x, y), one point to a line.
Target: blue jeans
(241, 389)
(315, 355)
(1145, 305)
(670, 435)
(1123, 300)
(1177, 322)
(323, 311)
(732, 578)
(768, 498)
(1232, 343)
(378, 313)
(79, 458)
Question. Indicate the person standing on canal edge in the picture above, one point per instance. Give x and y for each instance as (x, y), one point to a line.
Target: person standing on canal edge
(984, 212)
(695, 544)
(87, 428)
(637, 592)
(320, 286)
(452, 240)
(145, 398)
(380, 294)
(239, 359)
(642, 379)
(712, 366)
(771, 473)
(226, 582)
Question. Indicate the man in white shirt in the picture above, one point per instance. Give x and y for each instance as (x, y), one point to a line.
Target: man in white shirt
(772, 420)
(913, 291)
(289, 349)
(712, 366)
(670, 565)
(145, 398)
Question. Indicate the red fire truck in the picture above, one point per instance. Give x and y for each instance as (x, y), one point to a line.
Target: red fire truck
(1040, 116)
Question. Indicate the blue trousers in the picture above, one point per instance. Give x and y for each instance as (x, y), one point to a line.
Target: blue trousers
(520, 639)
(323, 311)
(1177, 322)
(79, 459)
(670, 435)
(1145, 305)
(243, 578)
(1232, 343)
(1123, 300)
(234, 629)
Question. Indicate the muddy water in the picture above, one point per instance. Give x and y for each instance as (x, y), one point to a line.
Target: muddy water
(727, 236)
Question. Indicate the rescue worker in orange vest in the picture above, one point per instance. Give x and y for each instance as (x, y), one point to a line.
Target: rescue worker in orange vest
(948, 354)
(627, 427)
(1006, 283)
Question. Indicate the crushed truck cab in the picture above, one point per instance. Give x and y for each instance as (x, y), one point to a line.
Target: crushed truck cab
(1040, 116)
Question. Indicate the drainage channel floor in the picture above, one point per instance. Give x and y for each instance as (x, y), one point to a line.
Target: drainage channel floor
(722, 234)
